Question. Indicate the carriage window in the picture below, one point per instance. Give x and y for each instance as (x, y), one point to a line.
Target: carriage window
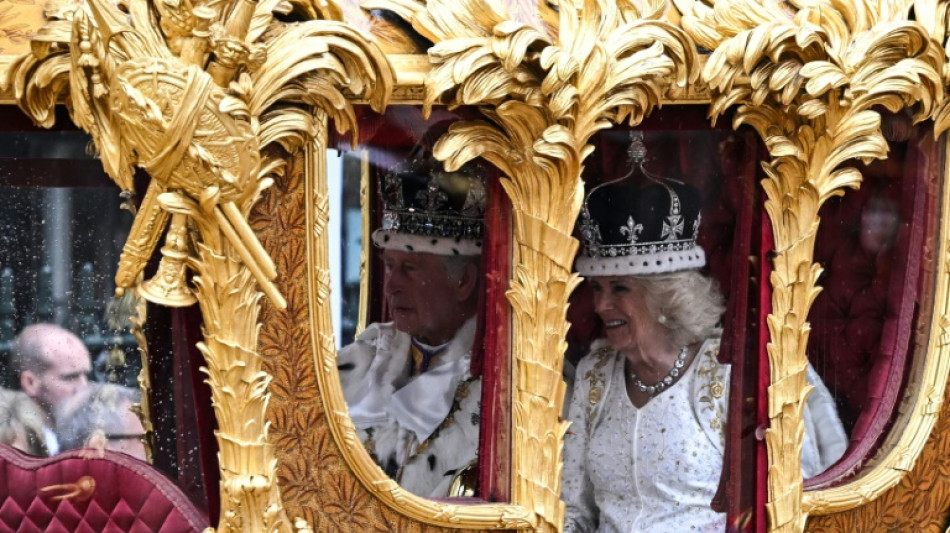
(64, 364)
(71, 355)
(663, 342)
(876, 284)
(411, 258)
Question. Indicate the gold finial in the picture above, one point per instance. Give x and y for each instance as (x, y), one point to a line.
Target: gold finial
(169, 286)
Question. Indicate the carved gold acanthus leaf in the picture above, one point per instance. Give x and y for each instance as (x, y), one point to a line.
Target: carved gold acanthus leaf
(202, 103)
(928, 378)
(807, 78)
(545, 80)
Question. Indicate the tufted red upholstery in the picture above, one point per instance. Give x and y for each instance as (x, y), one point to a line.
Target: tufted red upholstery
(863, 321)
(129, 496)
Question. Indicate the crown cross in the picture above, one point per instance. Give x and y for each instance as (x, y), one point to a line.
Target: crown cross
(475, 199)
(392, 191)
(432, 197)
(672, 227)
(590, 231)
(632, 231)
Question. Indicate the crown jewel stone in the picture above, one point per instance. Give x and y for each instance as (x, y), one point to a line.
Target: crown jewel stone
(444, 204)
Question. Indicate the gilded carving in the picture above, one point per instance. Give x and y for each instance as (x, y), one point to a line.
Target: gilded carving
(806, 77)
(202, 103)
(546, 80)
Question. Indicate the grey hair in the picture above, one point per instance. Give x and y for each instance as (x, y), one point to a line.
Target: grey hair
(690, 302)
(455, 265)
(98, 410)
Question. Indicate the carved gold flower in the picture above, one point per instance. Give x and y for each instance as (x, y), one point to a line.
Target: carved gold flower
(594, 396)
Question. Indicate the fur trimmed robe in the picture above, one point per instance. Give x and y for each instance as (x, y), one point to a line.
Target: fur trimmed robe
(422, 430)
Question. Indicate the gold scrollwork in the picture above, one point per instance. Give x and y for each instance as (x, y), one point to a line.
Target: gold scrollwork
(199, 103)
(806, 79)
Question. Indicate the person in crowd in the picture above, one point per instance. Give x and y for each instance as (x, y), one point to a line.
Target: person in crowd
(22, 423)
(408, 382)
(645, 448)
(53, 366)
(101, 418)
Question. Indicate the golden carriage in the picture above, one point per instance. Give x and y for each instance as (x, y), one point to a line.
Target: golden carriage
(230, 108)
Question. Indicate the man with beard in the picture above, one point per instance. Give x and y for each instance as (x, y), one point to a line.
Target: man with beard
(53, 366)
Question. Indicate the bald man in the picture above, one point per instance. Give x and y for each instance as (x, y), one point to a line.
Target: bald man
(53, 365)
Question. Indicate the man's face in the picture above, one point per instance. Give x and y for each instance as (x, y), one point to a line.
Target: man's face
(422, 300)
(66, 376)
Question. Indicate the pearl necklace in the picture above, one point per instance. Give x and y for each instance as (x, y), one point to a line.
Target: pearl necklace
(663, 384)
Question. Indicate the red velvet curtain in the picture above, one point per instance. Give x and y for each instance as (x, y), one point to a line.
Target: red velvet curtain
(183, 445)
(495, 364)
(863, 322)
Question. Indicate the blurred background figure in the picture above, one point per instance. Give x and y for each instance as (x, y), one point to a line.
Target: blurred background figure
(880, 221)
(102, 418)
(53, 366)
(21, 423)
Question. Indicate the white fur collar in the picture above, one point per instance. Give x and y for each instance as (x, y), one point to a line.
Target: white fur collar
(418, 404)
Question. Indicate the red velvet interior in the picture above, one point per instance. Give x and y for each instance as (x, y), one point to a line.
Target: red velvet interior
(129, 496)
(863, 321)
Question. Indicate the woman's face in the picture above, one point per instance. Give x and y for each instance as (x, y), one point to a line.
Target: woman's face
(621, 304)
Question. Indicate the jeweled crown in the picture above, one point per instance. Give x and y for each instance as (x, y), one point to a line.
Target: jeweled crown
(630, 226)
(428, 209)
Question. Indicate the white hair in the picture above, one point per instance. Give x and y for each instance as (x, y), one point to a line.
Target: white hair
(455, 265)
(690, 302)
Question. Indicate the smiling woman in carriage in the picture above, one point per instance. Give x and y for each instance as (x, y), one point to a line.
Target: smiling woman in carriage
(646, 445)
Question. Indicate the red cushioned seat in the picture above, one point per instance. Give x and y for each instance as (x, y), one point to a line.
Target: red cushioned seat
(127, 496)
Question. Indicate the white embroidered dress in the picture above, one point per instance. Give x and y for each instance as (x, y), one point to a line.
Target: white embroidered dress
(648, 469)
(655, 469)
